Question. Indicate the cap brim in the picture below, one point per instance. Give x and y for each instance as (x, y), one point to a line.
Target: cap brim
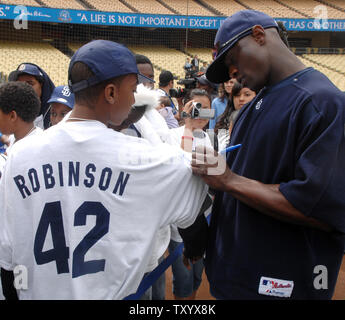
(13, 76)
(55, 100)
(144, 79)
(217, 72)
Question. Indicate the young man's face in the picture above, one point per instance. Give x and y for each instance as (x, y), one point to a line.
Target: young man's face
(147, 70)
(58, 112)
(124, 99)
(33, 82)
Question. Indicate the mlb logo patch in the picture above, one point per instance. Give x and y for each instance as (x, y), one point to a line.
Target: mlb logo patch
(275, 287)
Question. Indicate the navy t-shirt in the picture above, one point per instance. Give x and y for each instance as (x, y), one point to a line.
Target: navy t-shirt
(292, 134)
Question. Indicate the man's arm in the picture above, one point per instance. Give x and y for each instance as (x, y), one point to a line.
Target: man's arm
(265, 198)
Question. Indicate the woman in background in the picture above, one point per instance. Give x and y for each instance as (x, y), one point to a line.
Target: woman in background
(239, 97)
(219, 104)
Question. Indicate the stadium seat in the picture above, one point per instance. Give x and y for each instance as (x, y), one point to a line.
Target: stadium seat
(42, 54)
(149, 6)
(308, 6)
(337, 78)
(193, 7)
(110, 5)
(204, 54)
(331, 61)
(71, 4)
(32, 3)
(227, 7)
(272, 8)
(337, 3)
(164, 59)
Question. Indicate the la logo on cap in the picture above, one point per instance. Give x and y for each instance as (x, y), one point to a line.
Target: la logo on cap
(21, 67)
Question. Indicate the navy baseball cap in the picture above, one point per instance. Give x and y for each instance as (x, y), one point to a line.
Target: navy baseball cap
(26, 68)
(106, 59)
(233, 29)
(62, 94)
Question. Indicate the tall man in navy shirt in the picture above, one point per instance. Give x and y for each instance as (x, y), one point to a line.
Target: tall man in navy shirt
(278, 223)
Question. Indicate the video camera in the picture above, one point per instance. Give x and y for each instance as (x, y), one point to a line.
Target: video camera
(198, 112)
(188, 83)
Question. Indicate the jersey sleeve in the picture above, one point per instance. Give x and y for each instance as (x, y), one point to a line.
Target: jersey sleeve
(176, 193)
(5, 238)
(318, 187)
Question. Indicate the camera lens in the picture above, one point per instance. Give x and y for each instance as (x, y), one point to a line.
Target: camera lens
(198, 105)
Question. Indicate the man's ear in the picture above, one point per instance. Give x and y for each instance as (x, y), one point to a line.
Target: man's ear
(259, 35)
(111, 93)
(13, 116)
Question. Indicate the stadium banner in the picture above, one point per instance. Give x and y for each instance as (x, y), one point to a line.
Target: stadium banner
(89, 17)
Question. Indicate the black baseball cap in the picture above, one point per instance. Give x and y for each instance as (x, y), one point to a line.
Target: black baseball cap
(233, 29)
(106, 59)
(165, 77)
(26, 68)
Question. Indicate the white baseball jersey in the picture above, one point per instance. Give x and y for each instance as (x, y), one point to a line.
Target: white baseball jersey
(12, 139)
(2, 165)
(146, 127)
(199, 140)
(81, 204)
(3, 159)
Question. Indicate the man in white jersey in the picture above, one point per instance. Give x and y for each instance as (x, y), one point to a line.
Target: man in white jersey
(82, 210)
(19, 107)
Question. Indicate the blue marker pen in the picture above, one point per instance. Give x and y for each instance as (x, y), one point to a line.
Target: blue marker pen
(224, 151)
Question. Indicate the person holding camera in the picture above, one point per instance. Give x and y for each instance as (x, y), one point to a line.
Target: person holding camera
(196, 114)
(186, 280)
